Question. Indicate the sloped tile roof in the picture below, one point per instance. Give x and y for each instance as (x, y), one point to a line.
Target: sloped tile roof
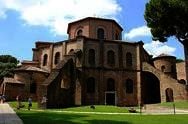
(12, 80)
(31, 68)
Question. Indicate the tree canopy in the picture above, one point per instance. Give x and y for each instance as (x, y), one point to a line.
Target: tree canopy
(167, 18)
(7, 64)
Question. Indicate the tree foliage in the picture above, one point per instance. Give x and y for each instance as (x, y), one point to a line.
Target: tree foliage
(179, 60)
(7, 64)
(167, 18)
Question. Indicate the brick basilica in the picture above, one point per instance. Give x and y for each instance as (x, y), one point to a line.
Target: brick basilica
(94, 66)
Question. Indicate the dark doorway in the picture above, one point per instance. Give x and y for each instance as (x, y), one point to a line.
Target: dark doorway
(110, 98)
(150, 88)
(169, 95)
(110, 92)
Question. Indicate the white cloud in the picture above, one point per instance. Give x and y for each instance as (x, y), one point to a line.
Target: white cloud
(2, 10)
(138, 32)
(156, 48)
(56, 14)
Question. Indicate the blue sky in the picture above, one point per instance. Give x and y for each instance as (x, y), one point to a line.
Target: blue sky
(23, 22)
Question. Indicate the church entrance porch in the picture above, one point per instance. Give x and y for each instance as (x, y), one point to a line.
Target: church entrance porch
(110, 98)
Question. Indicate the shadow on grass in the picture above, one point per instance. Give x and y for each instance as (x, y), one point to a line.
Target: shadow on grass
(30, 117)
(47, 118)
(107, 122)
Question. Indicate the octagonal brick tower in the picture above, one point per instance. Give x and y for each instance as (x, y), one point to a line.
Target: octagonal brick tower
(96, 28)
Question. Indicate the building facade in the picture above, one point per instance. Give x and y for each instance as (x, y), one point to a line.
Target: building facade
(94, 66)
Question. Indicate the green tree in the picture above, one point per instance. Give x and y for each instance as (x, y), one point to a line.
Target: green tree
(7, 64)
(168, 18)
(178, 60)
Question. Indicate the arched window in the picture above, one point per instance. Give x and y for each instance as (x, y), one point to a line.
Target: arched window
(45, 59)
(79, 32)
(129, 59)
(129, 86)
(57, 58)
(100, 33)
(33, 88)
(163, 68)
(169, 95)
(110, 84)
(90, 85)
(71, 51)
(91, 57)
(117, 36)
(111, 58)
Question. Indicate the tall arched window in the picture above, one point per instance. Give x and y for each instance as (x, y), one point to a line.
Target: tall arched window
(117, 36)
(79, 32)
(129, 86)
(45, 59)
(57, 58)
(129, 59)
(169, 95)
(91, 57)
(163, 68)
(110, 85)
(111, 58)
(90, 85)
(100, 33)
(33, 88)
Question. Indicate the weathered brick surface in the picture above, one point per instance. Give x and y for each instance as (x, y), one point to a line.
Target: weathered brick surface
(66, 84)
(166, 81)
(181, 74)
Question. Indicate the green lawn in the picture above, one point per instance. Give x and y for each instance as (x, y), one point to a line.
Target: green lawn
(52, 116)
(13, 104)
(47, 117)
(98, 108)
(178, 104)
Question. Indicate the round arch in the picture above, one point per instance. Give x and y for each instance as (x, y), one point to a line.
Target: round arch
(169, 95)
(150, 88)
(79, 31)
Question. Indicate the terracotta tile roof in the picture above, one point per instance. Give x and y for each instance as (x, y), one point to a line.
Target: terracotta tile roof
(93, 18)
(163, 54)
(26, 61)
(31, 68)
(12, 80)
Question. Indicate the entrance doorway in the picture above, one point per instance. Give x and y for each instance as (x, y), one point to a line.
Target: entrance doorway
(169, 95)
(150, 88)
(110, 98)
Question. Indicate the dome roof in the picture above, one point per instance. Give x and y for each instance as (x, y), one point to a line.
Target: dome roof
(163, 55)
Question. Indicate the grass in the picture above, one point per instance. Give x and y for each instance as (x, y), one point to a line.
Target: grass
(98, 108)
(52, 116)
(47, 117)
(178, 104)
(13, 104)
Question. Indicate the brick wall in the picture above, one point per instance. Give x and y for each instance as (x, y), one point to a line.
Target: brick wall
(181, 74)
